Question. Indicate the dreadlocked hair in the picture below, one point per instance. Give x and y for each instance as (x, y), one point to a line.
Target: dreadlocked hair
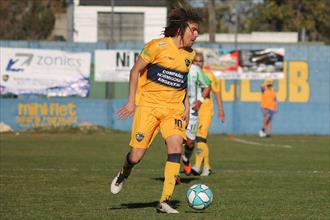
(178, 21)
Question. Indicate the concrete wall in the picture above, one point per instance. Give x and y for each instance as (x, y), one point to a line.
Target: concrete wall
(304, 105)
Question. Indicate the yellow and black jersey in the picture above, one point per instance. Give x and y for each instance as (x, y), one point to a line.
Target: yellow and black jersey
(164, 81)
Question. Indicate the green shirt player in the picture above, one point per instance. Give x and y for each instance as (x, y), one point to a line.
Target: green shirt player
(198, 89)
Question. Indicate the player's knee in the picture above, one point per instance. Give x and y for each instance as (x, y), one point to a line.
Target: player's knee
(133, 158)
(175, 150)
(190, 143)
(174, 144)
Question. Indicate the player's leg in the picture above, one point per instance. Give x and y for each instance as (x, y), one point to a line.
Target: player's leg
(173, 131)
(202, 151)
(262, 132)
(132, 158)
(268, 123)
(172, 168)
(190, 143)
(199, 156)
(206, 171)
(144, 129)
(186, 156)
(269, 129)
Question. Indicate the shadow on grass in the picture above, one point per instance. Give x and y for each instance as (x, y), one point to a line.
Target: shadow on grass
(141, 205)
(197, 212)
(183, 179)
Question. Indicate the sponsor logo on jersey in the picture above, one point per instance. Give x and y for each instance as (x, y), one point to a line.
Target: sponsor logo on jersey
(162, 44)
(167, 77)
(139, 136)
(188, 62)
(145, 52)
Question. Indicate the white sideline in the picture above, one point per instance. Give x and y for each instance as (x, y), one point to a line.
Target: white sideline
(260, 144)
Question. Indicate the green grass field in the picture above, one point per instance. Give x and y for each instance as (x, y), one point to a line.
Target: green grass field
(67, 175)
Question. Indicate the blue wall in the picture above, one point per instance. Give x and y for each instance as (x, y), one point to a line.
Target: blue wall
(243, 117)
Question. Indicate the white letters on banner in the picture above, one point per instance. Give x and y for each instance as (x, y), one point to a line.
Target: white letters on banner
(44, 72)
(114, 65)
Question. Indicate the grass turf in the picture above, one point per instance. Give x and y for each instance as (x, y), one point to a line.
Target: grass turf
(67, 175)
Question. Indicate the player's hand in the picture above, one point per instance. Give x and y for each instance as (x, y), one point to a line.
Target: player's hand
(185, 115)
(126, 111)
(221, 115)
(197, 104)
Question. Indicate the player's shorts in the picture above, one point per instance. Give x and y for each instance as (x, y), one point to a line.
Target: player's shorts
(149, 120)
(192, 125)
(204, 122)
(268, 112)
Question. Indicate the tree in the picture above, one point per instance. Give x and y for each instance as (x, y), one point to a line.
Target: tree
(302, 16)
(212, 20)
(171, 4)
(27, 20)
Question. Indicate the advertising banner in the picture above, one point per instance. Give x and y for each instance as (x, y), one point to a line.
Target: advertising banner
(245, 64)
(44, 72)
(114, 65)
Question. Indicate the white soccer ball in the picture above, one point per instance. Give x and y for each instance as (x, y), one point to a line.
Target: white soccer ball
(262, 134)
(199, 196)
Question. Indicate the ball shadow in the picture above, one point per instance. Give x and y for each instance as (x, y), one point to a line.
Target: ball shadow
(183, 179)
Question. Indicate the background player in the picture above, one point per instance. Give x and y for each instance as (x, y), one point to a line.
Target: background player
(205, 115)
(268, 106)
(161, 70)
(198, 90)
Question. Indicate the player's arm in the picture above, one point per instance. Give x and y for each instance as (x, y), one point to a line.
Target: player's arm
(128, 109)
(262, 87)
(221, 113)
(186, 112)
(205, 93)
(275, 105)
(215, 86)
(205, 83)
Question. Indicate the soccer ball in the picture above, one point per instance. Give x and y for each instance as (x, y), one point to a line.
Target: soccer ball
(262, 134)
(199, 196)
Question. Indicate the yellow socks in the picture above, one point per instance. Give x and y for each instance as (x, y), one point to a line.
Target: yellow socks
(202, 154)
(199, 156)
(172, 169)
(206, 155)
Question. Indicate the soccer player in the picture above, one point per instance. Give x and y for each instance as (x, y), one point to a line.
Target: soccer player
(205, 115)
(162, 70)
(268, 106)
(198, 91)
